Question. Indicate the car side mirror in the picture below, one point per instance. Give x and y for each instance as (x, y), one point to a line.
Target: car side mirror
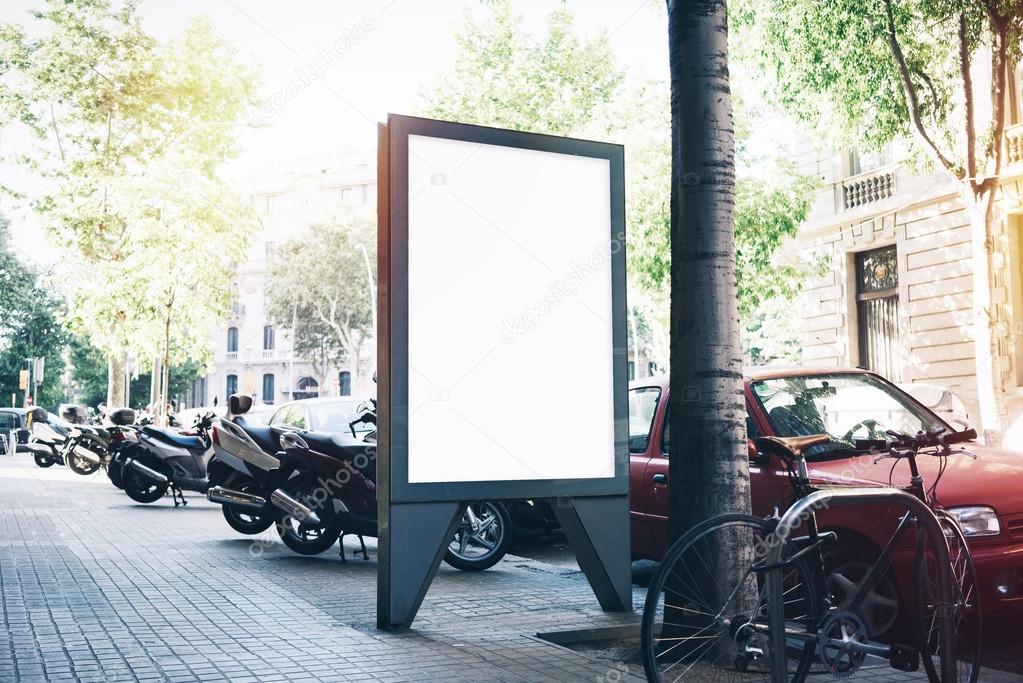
(756, 456)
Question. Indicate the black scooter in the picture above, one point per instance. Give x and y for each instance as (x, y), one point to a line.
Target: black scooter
(319, 487)
(166, 459)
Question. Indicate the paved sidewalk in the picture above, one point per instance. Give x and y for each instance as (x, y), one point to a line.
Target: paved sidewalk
(98, 588)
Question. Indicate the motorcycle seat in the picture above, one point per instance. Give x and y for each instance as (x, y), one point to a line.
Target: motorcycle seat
(192, 442)
(265, 437)
(359, 453)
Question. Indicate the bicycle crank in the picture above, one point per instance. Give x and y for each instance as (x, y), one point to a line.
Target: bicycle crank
(845, 644)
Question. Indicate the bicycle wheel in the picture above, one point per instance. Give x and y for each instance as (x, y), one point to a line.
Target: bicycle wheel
(705, 616)
(965, 607)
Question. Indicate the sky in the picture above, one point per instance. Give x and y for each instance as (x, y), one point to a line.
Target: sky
(333, 69)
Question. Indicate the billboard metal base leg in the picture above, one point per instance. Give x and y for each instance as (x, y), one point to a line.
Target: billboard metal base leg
(411, 546)
(598, 531)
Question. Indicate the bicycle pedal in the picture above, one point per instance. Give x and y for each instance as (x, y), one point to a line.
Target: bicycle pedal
(904, 658)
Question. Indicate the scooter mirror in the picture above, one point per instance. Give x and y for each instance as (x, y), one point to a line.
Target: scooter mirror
(239, 404)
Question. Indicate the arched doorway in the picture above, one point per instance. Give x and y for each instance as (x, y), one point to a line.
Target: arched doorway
(307, 387)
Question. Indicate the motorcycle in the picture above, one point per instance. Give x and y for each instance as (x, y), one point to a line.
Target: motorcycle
(47, 438)
(165, 459)
(320, 487)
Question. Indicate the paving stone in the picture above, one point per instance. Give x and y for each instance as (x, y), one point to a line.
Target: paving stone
(94, 587)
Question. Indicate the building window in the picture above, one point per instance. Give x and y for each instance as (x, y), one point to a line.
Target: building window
(232, 340)
(268, 388)
(651, 369)
(877, 309)
(344, 380)
(632, 371)
(232, 384)
(268, 338)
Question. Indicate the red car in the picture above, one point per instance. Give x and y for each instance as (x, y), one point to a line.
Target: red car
(984, 494)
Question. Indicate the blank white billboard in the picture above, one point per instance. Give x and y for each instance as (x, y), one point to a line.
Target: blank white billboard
(509, 314)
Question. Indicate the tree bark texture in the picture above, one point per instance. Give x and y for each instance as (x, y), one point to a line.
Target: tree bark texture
(709, 464)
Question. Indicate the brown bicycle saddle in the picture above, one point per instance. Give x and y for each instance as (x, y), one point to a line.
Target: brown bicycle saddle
(790, 446)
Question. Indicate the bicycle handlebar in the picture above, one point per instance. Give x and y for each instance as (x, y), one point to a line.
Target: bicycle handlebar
(901, 445)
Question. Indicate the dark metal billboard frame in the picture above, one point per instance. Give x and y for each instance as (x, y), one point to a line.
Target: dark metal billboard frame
(417, 520)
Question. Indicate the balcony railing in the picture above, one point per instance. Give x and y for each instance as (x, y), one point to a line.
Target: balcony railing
(865, 188)
(1014, 144)
(232, 355)
(269, 353)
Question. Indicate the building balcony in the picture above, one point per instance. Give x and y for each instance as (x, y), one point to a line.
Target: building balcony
(1014, 145)
(269, 354)
(231, 355)
(865, 188)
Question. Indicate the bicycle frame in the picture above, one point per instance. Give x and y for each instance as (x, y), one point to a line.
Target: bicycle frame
(804, 509)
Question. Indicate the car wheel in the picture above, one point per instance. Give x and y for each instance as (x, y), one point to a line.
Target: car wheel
(846, 569)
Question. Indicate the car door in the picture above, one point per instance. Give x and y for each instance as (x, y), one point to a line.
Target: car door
(8, 428)
(643, 423)
(655, 478)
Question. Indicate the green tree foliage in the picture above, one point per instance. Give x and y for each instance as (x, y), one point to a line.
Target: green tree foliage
(130, 135)
(320, 277)
(29, 327)
(88, 371)
(504, 77)
(877, 72)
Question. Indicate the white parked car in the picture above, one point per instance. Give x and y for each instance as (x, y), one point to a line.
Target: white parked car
(941, 401)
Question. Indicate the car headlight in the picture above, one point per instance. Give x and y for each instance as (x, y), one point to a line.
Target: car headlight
(977, 521)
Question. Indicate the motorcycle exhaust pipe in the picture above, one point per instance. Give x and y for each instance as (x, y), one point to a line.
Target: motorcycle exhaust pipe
(303, 513)
(148, 471)
(219, 494)
(86, 454)
(39, 448)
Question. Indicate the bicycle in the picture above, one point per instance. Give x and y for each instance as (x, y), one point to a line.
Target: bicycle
(739, 597)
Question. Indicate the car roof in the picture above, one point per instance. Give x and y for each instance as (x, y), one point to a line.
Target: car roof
(18, 411)
(759, 372)
(325, 399)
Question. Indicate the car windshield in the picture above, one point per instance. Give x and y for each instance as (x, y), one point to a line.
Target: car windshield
(849, 407)
(335, 416)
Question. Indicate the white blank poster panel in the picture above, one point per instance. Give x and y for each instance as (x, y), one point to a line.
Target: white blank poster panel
(509, 321)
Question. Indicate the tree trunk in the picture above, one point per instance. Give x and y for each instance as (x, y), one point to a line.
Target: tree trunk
(115, 381)
(154, 384)
(985, 342)
(165, 372)
(708, 460)
(708, 470)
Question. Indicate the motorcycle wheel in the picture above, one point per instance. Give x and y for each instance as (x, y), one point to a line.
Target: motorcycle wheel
(42, 460)
(115, 472)
(81, 465)
(306, 539)
(474, 551)
(141, 488)
(247, 520)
